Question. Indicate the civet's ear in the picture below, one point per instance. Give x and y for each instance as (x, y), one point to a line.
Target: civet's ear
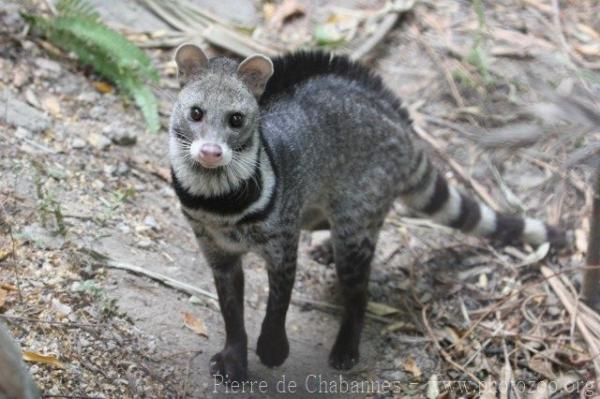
(190, 60)
(255, 72)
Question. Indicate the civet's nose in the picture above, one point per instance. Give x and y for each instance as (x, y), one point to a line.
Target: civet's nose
(211, 153)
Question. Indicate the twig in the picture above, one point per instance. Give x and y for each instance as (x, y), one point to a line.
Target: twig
(383, 28)
(582, 320)
(438, 61)
(455, 166)
(563, 41)
(445, 354)
(192, 290)
(168, 281)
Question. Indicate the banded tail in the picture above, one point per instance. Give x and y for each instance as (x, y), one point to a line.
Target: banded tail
(427, 191)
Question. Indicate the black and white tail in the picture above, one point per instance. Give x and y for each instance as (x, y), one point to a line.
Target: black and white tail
(427, 192)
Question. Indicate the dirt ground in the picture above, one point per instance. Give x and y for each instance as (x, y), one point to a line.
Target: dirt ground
(80, 176)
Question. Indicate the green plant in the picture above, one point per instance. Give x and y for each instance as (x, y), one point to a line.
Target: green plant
(77, 28)
(47, 204)
(477, 56)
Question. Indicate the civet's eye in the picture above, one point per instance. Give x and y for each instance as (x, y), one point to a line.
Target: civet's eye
(196, 114)
(236, 120)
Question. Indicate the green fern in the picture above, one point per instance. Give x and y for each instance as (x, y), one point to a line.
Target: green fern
(77, 28)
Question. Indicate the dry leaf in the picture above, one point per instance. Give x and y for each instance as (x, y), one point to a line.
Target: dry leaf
(194, 324)
(381, 309)
(8, 287)
(590, 49)
(3, 295)
(4, 255)
(411, 366)
(45, 359)
(285, 11)
(103, 87)
(396, 326)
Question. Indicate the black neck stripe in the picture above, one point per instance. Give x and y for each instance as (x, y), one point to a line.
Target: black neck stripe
(232, 202)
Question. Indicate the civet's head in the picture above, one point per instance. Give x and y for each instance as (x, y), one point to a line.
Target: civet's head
(215, 120)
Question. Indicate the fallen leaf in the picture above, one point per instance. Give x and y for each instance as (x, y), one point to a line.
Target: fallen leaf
(542, 366)
(3, 295)
(590, 49)
(45, 359)
(4, 255)
(194, 324)
(411, 366)
(284, 12)
(103, 87)
(8, 287)
(397, 326)
(536, 256)
(381, 309)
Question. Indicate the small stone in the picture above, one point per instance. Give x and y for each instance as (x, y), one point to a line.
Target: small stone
(22, 133)
(32, 99)
(121, 136)
(151, 222)
(144, 243)
(77, 143)
(110, 170)
(98, 141)
(167, 192)
(98, 184)
(19, 77)
(51, 105)
(122, 169)
(88, 97)
(19, 114)
(97, 112)
(123, 228)
(48, 65)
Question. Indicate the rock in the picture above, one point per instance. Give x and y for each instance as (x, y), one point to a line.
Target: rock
(120, 135)
(51, 105)
(151, 222)
(32, 99)
(15, 380)
(98, 141)
(19, 114)
(42, 238)
(122, 169)
(77, 144)
(97, 112)
(110, 170)
(88, 97)
(22, 133)
(48, 66)
(19, 77)
(144, 243)
(123, 228)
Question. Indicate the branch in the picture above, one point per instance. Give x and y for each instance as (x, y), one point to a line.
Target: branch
(591, 279)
